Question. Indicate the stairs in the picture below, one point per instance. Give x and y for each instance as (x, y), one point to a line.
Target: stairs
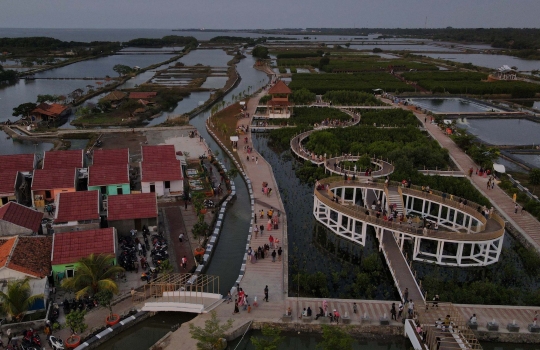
(394, 197)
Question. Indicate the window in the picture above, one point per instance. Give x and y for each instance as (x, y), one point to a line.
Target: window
(103, 189)
(70, 272)
(167, 184)
(48, 194)
(119, 190)
(152, 188)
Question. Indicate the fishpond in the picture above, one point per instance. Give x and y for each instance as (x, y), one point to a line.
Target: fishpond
(451, 105)
(503, 131)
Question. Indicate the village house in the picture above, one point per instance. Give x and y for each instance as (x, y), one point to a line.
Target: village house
(63, 159)
(49, 112)
(69, 247)
(15, 174)
(132, 211)
(22, 257)
(161, 171)
(77, 211)
(115, 98)
(16, 219)
(109, 173)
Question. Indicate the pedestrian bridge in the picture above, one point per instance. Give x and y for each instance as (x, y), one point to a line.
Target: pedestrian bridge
(183, 292)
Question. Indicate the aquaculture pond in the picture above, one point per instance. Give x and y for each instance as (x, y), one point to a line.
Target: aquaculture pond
(326, 265)
(489, 61)
(531, 159)
(10, 146)
(503, 131)
(145, 334)
(308, 341)
(451, 105)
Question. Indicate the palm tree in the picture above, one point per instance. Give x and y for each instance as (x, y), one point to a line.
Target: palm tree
(94, 273)
(18, 299)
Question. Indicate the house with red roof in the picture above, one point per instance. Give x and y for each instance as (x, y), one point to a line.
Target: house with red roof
(47, 183)
(15, 176)
(63, 159)
(142, 95)
(109, 173)
(161, 171)
(29, 256)
(69, 247)
(16, 219)
(132, 211)
(77, 211)
(49, 112)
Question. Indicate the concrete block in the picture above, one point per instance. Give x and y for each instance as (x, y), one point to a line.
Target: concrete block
(472, 325)
(286, 318)
(534, 329)
(365, 320)
(492, 326)
(346, 320)
(306, 319)
(324, 319)
(512, 327)
(384, 321)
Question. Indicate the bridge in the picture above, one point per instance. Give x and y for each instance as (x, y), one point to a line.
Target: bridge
(182, 292)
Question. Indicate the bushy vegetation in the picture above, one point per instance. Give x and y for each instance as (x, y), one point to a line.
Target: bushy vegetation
(302, 97)
(471, 83)
(375, 65)
(287, 55)
(42, 45)
(260, 52)
(351, 98)
(364, 82)
(482, 154)
(389, 117)
(7, 75)
(281, 138)
(308, 116)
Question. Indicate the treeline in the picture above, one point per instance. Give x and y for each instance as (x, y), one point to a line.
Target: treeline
(168, 40)
(351, 98)
(287, 55)
(7, 75)
(40, 45)
(226, 39)
(388, 117)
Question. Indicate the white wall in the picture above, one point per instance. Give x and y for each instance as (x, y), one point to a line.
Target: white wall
(177, 186)
(160, 188)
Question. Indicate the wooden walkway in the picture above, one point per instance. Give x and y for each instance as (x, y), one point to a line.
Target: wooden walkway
(525, 223)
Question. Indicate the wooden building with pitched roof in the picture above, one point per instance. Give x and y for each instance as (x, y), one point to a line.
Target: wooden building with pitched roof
(279, 105)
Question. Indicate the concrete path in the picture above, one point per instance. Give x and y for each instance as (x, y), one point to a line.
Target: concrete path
(525, 223)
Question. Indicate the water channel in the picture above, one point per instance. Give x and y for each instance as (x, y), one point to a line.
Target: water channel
(451, 105)
(489, 61)
(503, 131)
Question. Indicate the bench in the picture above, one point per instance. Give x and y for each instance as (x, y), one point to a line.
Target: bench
(472, 325)
(492, 326)
(534, 328)
(512, 327)
(286, 318)
(306, 319)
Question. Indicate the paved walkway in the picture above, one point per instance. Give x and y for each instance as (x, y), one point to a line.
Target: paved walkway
(526, 223)
(177, 225)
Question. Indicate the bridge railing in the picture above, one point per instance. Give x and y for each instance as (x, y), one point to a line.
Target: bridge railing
(355, 211)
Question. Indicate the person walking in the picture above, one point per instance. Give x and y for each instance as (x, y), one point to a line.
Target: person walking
(274, 256)
(256, 230)
(411, 308)
(400, 310)
(393, 312)
(279, 252)
(256, 160)
(184, 262)
(181, 237)
(8, 333)
(266, 293)
(236, 309)
(355, 308)
(262, 229)
(516, 207)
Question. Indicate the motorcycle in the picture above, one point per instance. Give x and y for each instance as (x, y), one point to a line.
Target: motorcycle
(56, 343)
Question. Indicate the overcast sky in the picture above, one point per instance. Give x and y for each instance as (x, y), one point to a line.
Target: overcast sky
(249, 14)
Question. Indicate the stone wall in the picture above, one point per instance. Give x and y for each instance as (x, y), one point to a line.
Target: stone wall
(367, 331)
(508, 337)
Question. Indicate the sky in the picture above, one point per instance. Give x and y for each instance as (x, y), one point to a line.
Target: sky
(265, 14)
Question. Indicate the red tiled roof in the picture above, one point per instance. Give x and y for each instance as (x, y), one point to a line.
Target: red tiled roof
(6, 245)
(69, 247)
(63, 159)
(19, 162)
(158, 153)
(114, 96)
(77, 206)
(110, 156)
(279, 88)
(159, 163)
(53, 109)
(143, 95)
(7, 181)
(132, 206)
(53, 178)
(101, 175)
(20, 215)
(32, 256)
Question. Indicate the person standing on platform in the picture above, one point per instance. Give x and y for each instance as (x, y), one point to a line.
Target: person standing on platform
(266, 293)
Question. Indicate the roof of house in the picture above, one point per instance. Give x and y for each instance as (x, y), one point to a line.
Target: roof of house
(159, 163)
(63, 159)
(77, 206)
(32, 256)
(53, 109)
(110, 156)
(8, 178)
(114, 96)
(158, 153)
(6, 246)
(279, 88)
(47, 179)
(143, 95)
(102, 175)
(19, 162)
(132, 206)
(71, 246)
(20, 215)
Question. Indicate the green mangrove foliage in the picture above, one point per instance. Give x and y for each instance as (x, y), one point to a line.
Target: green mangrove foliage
(351, 98)
(309, 116)
(366, 82)
(302, 97)
(389, 117)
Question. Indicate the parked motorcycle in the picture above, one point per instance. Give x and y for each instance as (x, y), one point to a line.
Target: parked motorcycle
(56, 343)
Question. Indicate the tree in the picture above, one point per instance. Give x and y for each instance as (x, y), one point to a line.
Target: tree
(260, 52)
(75, 322)
(269, 341)
(233, 172)
(24, 109)
(122, 69)
(17, 300)
(47, 97)
(131, 106)
(94, 273)
(377, 50)
(534, 176)
(335, 338)
(208, 338)
(303, 96)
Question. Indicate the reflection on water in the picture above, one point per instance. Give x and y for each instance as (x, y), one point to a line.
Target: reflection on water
(532, 159)
(214, 82)
(213, 58)
(10, 146)
(449, 105)
(503, 131)
(490, 61)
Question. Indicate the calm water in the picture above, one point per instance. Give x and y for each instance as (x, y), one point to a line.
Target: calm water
(145, 334)
(214, 58)
(490, 61)
(103, 66)
(10, 146)
(398, 47)
(532, 159)
(449, 105)
(503, 131)
(536, 105)
(189, 103)
(214, 82)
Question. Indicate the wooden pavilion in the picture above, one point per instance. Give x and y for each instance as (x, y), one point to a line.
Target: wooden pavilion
(279, 106)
